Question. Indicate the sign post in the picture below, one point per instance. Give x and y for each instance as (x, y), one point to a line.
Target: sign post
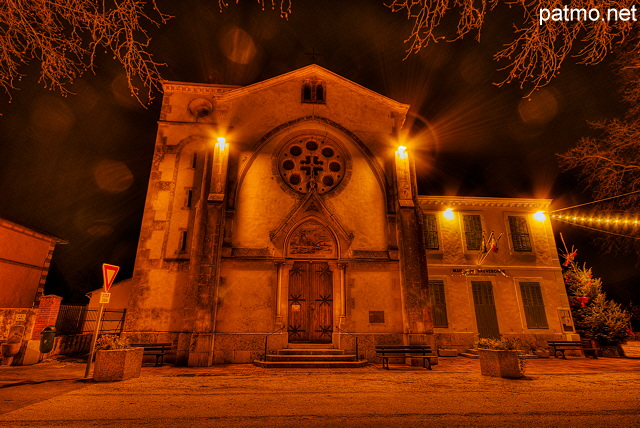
(109, 273)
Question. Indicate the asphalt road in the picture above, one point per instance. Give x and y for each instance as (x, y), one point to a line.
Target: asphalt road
(355, 399)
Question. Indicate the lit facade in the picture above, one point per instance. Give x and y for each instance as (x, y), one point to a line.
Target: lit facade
(287, 208)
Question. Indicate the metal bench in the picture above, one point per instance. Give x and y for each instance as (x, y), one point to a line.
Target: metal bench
(157, 349)
(584, 345)
(423, 352)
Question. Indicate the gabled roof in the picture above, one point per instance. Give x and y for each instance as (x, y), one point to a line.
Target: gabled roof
(313, 70)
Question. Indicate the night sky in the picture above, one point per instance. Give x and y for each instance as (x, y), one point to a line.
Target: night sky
(77, 166)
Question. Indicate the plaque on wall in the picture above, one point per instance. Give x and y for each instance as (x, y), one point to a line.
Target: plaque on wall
(376, 317)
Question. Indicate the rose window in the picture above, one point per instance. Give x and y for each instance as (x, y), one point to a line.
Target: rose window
(311, 162)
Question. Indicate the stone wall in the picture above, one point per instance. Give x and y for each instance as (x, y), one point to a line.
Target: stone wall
(47, 314)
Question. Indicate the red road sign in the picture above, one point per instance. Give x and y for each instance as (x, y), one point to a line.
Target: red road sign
(109, 273)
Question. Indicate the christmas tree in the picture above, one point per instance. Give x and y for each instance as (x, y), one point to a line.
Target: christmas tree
(594, 316)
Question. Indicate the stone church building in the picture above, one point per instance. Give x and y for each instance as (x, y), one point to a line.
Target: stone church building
(288, 208)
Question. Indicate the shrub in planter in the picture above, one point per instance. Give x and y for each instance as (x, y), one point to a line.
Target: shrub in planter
(116, 360)
(500, 358)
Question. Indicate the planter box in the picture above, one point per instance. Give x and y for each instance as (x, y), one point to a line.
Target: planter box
(448, 352)
(499, 363)
(118, 364)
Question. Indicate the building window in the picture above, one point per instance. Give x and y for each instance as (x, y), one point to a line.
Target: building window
(533, 305)
(439, 304)
(519, 233)
(188, 203)
(431, 232)
(182, 246)
(472, 231)
(194, 160)
(313, 91)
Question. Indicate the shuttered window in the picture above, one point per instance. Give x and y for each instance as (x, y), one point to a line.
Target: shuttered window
(439, 304)
(472, 231)
(519, 233)
(431, 232)
(533, 305)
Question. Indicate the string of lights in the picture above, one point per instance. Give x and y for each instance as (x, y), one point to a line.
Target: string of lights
(620, 222)
(595, 202)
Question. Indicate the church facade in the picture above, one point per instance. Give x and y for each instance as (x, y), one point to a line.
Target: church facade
(289, 209)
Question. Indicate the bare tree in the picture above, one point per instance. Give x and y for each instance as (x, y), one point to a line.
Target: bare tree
(609, 163)
(64, 37)
(544, 37)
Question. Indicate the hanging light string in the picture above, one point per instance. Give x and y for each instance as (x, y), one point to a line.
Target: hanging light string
(595, 202)
(573, 221)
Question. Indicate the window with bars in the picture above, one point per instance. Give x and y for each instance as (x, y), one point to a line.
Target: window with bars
(533, 305)
(439, 304)
(431, 232)
(472, 231)
(519, 233)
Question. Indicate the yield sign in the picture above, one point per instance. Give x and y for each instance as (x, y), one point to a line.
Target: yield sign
(109, 273)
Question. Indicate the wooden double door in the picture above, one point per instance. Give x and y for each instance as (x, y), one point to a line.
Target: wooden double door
(310, 302)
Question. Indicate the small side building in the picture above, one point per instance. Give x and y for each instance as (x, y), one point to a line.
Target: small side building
(25, 256)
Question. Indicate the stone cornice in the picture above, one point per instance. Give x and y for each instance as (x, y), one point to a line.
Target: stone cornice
(230, 91)
(196, 88)
(473, 201)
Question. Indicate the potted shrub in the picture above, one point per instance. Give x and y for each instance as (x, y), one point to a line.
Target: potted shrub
(500, 358)
(116, 359)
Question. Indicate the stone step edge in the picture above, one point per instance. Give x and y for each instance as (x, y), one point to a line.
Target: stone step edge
(296, 351)
(279, 357)
(311, 364)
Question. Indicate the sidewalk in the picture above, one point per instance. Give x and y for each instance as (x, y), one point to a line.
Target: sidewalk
(576, 391)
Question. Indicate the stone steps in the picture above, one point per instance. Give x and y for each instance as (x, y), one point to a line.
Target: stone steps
(310, 357)
(293, 357)
(311, 364)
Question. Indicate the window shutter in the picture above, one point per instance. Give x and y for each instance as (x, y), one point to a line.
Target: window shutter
(431, 232)
(533, 305)
(473, 231)
(439, 304)
(519, 234)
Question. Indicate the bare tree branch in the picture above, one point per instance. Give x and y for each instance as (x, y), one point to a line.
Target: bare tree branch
(64, 37)
(540, 46)
(609, 163)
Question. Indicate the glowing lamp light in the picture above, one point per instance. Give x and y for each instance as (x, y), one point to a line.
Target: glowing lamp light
(402, 152)
(448, 214)
(222, 143)
(540, 216)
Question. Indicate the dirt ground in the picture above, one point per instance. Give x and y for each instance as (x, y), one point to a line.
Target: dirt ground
(576, 391)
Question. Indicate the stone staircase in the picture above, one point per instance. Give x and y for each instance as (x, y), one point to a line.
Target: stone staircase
(310, 358)
(470, 353)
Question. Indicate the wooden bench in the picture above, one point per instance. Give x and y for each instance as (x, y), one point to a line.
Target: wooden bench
(157, 349)
(560, 346)
(423, 352)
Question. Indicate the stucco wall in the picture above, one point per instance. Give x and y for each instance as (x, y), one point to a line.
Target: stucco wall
(246, 297)
(24, 259)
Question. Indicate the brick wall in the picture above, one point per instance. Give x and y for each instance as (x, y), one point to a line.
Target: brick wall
(47, 314)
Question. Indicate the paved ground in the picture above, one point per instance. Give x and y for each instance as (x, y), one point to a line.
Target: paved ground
(572, 392)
